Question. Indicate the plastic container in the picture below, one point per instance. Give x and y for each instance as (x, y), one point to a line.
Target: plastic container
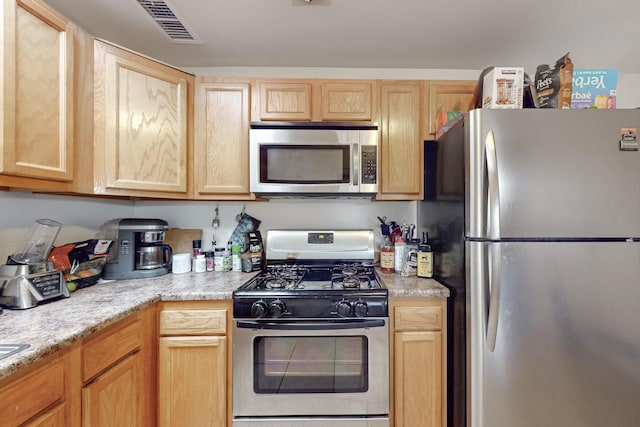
(38, 243)
(399, 256)
(218, 259)
(200, 264)
(210, 260)
(236, 261)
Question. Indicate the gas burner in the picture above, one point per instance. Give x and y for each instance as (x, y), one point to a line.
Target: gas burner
(276, 283)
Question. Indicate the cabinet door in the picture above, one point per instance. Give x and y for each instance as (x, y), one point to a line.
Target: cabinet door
(38, 390)
(54, 417)
(37, 92)
(347, 101)
(115, 398)
(418, 379)
(401, 150)
(141, 124)
(192, 381)
(221, 148)
(284, 101)
(446, 95)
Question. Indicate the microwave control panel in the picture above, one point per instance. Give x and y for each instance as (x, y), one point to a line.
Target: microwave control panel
(369, 164)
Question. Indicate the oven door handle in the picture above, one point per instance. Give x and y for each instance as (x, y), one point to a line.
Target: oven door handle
(306, 325)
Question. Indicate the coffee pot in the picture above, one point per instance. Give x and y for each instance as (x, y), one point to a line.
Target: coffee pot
(138, 250)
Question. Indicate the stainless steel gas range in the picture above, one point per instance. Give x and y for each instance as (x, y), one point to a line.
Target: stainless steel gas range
(311, 334)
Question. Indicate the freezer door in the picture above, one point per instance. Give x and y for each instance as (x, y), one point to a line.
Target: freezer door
(566, 344)
(555, 174)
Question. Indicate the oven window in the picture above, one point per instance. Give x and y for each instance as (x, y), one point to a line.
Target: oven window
(311, 364)
(304, 164)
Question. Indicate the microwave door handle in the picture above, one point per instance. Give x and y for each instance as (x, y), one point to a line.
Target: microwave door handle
(355, 165)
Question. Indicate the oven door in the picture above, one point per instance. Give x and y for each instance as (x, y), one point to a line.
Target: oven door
(337, 367)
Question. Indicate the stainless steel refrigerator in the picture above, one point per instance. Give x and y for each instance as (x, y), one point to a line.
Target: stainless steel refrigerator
(534, 216)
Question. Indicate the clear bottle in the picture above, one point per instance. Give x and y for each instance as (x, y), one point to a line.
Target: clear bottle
(386, 256)
(399, 254)
(425, 258)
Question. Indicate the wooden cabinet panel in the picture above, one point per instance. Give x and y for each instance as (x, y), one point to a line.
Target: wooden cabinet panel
(141, 124)
(315, 100)
(33, 393)
(54, 417)
(418, 318)
(115, 398)
(284, 101)
(193, 322)
(446, 95)
(401, 149)
(418, 379)
(347, 101)
(37, 94)
(105, 350)
(419, 352)
(192, 381)
(221, 159)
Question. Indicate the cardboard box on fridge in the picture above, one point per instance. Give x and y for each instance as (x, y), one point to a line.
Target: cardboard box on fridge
(503, 87)
(594, 89)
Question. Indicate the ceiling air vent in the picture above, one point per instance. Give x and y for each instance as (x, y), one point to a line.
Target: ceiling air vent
(163, 14)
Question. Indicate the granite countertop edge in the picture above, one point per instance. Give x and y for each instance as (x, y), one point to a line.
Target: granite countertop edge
(51, 327)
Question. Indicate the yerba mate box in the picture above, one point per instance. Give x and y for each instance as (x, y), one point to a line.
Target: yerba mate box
(594, 89)
(502, 88)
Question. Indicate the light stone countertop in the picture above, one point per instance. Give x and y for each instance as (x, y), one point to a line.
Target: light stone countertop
(53, 326)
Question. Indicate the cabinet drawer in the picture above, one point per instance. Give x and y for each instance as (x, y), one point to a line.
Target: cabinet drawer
(105, 350)
(193, 322)
(32, 394)
(418, 318)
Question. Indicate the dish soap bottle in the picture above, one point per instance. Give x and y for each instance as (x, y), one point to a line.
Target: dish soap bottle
(386, 256)
(425, 257)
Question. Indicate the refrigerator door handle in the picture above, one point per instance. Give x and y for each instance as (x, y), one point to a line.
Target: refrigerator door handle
(493, 188)
(495, 284)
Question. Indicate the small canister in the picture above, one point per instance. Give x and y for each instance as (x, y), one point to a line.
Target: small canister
(200, 264)
(210, 260)
(218, 259)
(236, 261)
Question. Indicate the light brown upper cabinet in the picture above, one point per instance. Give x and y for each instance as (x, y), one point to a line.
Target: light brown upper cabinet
(36, 147)
(142, 112)
(314, 100)
(401, 148)
(221, 146)
(445, 95)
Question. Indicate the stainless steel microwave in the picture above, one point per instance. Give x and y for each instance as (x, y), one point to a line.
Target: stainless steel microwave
(313, 158)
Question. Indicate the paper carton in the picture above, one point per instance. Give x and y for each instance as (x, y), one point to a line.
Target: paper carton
(502, 88)
(594, 89)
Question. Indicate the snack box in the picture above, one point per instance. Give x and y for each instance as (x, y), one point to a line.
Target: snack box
(594, 89)
(502, 88)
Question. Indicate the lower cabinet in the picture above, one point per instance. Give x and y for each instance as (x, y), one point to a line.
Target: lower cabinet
(36, 398)
(419, 362)
(118, 374)
(114, 398)
(193, 361)
(107, 379)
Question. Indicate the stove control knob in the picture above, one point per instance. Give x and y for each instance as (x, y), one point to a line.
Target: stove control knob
(344, 308)
(360, 308)
(276, 308)
(258, 309)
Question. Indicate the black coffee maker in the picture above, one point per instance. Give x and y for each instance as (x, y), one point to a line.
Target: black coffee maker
(138, 250)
